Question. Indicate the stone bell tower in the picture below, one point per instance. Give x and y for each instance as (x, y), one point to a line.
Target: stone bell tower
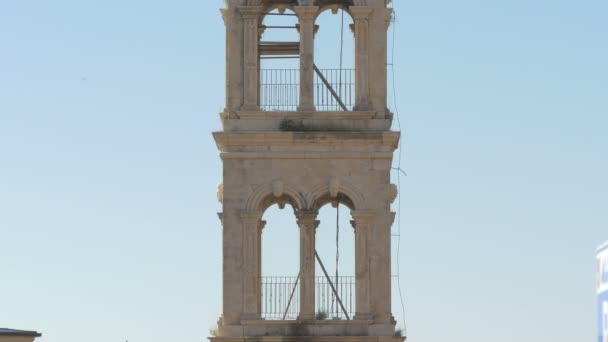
(305, 139)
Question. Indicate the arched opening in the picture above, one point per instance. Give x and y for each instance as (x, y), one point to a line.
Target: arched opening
(279, 61)
(280, 264)
(335, 246)
(335, 60)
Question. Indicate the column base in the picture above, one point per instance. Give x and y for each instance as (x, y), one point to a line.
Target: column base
(250, 317)
(307, 109)
(363, 317)
(250, 108)
(306, 317)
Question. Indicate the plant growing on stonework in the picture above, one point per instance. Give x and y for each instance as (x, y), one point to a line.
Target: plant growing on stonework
(321, 316)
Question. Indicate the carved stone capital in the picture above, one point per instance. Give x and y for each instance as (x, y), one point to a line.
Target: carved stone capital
(251, 12)
(306, 12)
(307, 219)
(388, 15)
(361, 12)
(363, 217)
(251, 217)
(261, 225)
(228, 14)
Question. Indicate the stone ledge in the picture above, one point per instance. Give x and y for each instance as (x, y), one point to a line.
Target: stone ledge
(309, 339)
(307, 141)
(261, 121)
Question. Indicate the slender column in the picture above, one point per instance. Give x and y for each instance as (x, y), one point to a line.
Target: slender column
(250, 221)
(234, 58)
(362, 93)
(261, 225)
(307, 14)
(308, 226)
(251, 15)
(363, 220)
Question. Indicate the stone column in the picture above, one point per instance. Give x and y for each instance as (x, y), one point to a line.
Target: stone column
(363, 221)
(307, 14)
(361, 17)
(251, 17)
(308, 226)
(261, 225)
(380, 267)
(251, 281)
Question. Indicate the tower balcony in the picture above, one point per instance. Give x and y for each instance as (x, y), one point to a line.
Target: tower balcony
(335, 108)
(335, 298)
(334, 90)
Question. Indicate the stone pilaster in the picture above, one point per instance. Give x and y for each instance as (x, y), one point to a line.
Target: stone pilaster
(362, 222)
(380, 268)
(308, 226)
(307, 14)
(361, 17)
(234, 58)
(251, 266)
(251, 18)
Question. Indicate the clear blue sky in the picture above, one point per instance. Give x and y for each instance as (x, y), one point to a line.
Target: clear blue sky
(108, 171)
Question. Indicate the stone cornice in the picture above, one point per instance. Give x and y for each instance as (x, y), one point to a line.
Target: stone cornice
(306, 155)
(307, 141)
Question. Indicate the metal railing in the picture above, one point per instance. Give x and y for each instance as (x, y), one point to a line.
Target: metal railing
(280, 89)
(277, 292)
(342, 81)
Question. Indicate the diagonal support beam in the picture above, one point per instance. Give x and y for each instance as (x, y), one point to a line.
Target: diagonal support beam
(331, 90)
(332, 285)
(295, 285)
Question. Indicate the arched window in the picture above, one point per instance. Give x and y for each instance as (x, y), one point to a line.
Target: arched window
(335, 59)
(279, 61)
(280, 264)
(335, 245)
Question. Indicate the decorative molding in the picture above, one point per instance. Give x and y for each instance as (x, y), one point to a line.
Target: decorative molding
(308, 219)
(251, 12)
(220, 193)
(356, 197)
(261, 192)
(306, 141)
(363, 216)
(256, 155)
(306, 12)
(277, 188)
(334, 187)
(393, 192)
(360, 12)
(262, 115)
